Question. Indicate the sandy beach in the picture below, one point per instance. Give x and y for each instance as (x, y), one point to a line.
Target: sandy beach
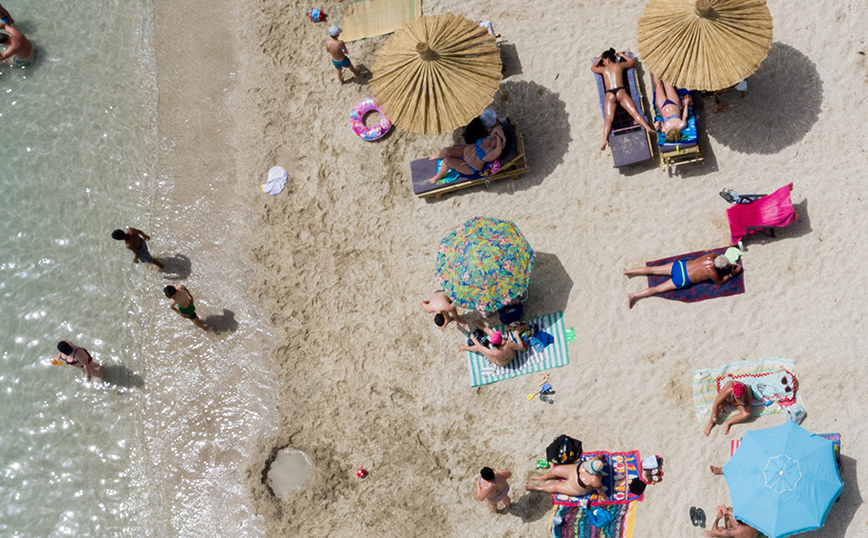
(341, 259)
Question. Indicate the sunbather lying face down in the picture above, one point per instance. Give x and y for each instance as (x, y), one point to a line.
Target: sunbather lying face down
(469, 159)
(672, 109)
(505, 348)
(578, 480)
(709, 267)
(611, 67)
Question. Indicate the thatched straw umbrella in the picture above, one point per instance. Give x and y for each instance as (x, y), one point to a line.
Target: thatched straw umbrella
(704, 44)
(436, 73)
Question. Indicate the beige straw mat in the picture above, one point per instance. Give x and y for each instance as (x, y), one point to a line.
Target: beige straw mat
(704, 44)
(359, 19)
(436, 74)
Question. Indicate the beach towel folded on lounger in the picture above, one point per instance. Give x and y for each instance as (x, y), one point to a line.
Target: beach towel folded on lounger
(696, 292)
(525, 362)
(769, 372)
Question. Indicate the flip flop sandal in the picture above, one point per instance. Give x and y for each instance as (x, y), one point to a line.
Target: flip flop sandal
(693, 518)
(700, 515)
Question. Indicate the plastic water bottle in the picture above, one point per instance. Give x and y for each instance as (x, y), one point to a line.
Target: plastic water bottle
(557, 520)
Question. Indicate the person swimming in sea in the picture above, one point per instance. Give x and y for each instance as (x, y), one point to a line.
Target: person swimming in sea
(669, 102)
(182, 303)
(712, 267)
(470, 159)
(611, 66)
(19, 50)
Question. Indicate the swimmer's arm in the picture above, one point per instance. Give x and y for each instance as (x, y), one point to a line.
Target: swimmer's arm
(597, 67)
(519, 343)
(684, 108)
(480, 495)
(504, 473)
(602, 493)
(344, 49)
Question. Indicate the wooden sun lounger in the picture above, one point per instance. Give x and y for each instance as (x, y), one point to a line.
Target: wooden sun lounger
(674, 153)
(512, 159)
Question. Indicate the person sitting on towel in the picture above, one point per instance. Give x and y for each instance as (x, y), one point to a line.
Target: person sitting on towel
(672, 109)
(712, 267)
(504, 348)
(583, 479)
(731, 526)
(735, 394)
(471, 159)
(611, 67)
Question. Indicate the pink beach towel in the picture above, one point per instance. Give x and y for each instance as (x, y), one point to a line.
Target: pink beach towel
(775, 210)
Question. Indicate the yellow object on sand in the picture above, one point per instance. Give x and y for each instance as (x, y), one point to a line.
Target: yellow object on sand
(369, 18)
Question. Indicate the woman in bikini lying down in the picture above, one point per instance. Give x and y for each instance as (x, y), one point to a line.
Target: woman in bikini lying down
(672, 109)
(470, 159)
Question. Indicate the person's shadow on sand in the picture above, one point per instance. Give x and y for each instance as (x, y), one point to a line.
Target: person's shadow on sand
(364, 76)
(221, 323)
(120, 375)
(781, 105)
(530, 507)
(178, 267)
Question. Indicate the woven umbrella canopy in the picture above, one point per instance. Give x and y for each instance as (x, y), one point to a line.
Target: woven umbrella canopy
(436, 73)
(704, 44)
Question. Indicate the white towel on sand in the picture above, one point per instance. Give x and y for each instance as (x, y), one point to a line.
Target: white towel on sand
(276, 180)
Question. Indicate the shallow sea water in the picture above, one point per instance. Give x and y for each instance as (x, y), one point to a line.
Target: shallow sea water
(162, 449)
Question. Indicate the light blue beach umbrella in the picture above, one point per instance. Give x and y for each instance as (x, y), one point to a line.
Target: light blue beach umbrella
(783, 480)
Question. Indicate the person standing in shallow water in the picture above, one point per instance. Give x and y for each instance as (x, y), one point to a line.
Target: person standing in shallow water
(79, 357)
(182, 303)
(135, 241)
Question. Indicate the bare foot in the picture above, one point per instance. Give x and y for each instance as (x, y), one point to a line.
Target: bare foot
(433, 157)
(433, 180)
(708, 427)
(631, 302)
(715, 470)
(726, 430)
(537, 477)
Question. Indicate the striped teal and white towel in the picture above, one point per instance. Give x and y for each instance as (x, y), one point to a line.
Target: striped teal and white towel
(705, 385)
(483, 372)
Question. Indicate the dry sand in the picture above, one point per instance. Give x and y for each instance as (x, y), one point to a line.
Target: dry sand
(344, 255)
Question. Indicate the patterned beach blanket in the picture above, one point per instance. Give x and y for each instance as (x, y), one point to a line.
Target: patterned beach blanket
(575, 522)
(768, 379)
(621, 468)
(483, 372)
(696, 292)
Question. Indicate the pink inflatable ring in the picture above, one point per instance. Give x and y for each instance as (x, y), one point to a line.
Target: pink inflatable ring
(357, 116)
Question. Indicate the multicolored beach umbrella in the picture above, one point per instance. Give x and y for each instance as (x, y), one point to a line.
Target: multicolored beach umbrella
(484, 264)
(783, 480)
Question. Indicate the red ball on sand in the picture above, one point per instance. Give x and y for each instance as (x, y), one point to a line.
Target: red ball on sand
(361, 473)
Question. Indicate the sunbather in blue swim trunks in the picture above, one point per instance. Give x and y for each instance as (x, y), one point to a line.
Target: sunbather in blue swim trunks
(679, 275)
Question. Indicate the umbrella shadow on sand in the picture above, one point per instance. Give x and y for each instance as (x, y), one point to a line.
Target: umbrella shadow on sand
(781, 105)
(842, 512)
(549, 287)
(542, 118)
(120, 375)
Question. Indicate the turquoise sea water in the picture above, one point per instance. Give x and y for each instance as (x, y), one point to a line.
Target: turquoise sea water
(77, 160)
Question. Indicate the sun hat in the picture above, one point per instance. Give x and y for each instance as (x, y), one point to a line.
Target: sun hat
(594, 467)
(335, 30)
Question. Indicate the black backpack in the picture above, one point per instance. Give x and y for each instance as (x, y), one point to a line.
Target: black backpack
(564, 449)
